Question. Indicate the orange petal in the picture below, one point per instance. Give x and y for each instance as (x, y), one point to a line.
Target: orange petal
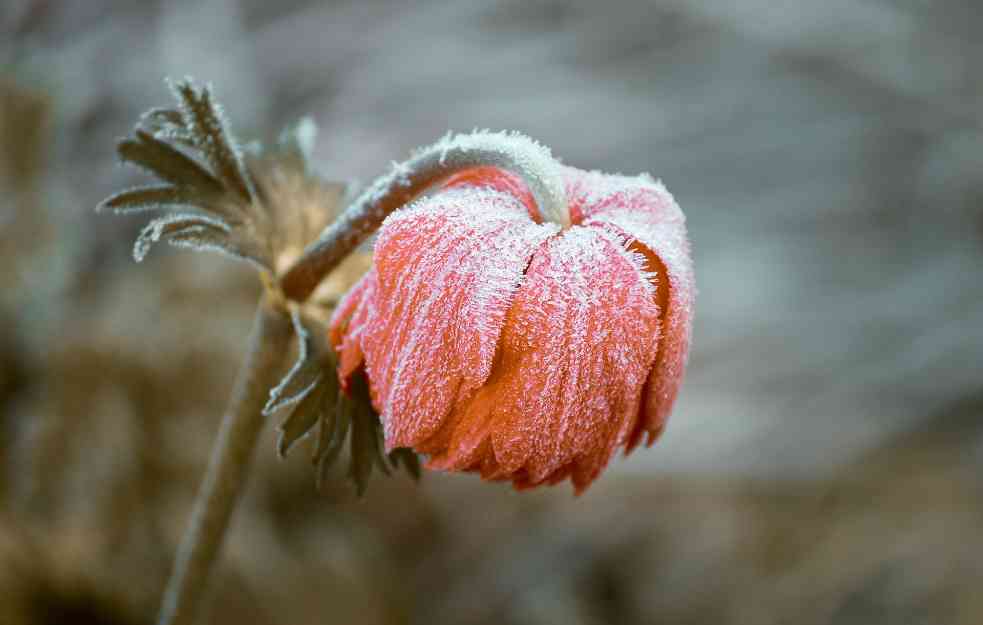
(578, 343)
(494, 178)
(445, 273)
(643, 211)
(347, 324)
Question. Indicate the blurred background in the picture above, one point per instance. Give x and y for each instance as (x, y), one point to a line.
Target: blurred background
(824, 461)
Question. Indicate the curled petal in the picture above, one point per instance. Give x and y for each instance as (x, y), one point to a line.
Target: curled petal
(348, 323)
(577, 347)
(645, 213)
(446, 270)
(499, 180)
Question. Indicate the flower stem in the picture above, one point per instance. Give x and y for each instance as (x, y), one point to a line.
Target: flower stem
(228, 467)
(407, 180)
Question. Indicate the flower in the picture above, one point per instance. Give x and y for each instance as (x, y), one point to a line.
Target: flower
(497, 343)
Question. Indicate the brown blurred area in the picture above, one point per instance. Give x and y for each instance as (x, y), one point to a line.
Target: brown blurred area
(824, 461)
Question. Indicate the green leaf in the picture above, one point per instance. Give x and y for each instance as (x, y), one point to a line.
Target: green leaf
(312, 382)
(167, 163)
(332, 438)
(302, 419)
(149, 198)
(315, 365)
(206, 239)
(206, 122)
(363, 452)
(408, 459)
(172, 225)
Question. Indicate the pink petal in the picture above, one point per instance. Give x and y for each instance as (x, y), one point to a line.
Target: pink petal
(348, 323)
(565, 390)
(643, 211)
(500, 180)
(445, 272)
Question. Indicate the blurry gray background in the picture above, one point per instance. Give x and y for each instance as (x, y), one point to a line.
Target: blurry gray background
(823, 461)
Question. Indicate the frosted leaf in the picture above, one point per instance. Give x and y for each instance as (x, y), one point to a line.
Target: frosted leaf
(166, 162)
(312, 386)
(171, 224)
(201, 233)
(305, 374)
(269, 204)
(366, 452)
(203, 239)
(331, 437)
(205, 120)
(301, 421)
(141, 199)
(352, 412)
(175, 135)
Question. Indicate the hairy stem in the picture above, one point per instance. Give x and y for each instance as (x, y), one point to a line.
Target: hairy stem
(512, 152)
(228, 466)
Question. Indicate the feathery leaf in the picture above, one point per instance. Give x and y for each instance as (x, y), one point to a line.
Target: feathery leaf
(171, 224)
(148, 198)
(331, 438)
(304, 375)
(203, 239)
(204, 119)
(361, 462)
(166, 162)
(302, 419)
(168, 125)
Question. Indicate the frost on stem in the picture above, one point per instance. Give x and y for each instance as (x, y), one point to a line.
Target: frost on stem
(511, 151)
(515, 152)
(262, 205)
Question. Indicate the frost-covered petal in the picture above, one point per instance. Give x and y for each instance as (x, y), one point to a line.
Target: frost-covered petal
(445, 272)
(644, 212)
(578, 344)
(500, 180)
(348, 323)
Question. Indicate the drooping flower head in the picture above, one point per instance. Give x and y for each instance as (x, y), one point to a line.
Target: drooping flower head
(498, 342)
